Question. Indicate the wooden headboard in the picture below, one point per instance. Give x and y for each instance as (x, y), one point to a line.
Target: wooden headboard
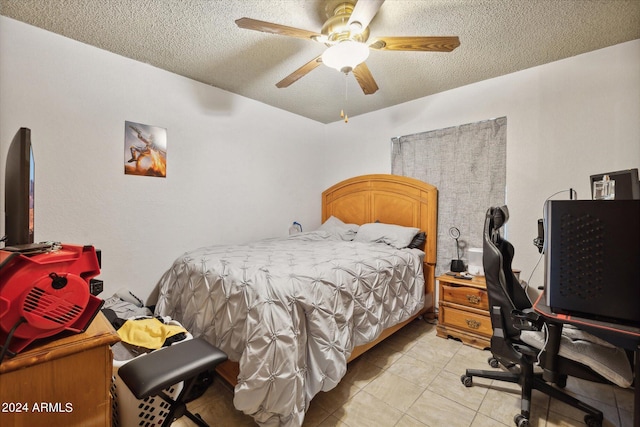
(391, 199)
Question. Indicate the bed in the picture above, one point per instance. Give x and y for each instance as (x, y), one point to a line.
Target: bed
(291, 312)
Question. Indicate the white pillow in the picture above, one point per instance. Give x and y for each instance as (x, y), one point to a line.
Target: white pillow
(339, 229)
(395, 235)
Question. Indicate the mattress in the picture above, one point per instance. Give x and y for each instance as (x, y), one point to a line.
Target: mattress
(291, 310)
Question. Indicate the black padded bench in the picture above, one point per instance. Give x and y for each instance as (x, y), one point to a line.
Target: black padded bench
(150, 374)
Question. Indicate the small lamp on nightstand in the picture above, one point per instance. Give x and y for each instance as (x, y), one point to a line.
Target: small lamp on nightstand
(457, 265)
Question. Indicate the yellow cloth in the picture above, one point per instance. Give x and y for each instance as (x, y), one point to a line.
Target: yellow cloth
(148, 333)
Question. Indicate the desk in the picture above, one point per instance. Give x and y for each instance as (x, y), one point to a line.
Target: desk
(60, 382)
(625, 336)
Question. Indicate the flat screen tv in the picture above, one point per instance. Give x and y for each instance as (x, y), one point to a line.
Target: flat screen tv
(592, 257)
(19, 190)
(627, 184)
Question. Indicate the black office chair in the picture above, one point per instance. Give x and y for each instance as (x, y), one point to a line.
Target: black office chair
(511, 312)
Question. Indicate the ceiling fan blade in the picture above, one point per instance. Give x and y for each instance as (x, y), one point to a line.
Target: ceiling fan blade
(422, 44)
(269, 27)
(300, 72)
(364, 11)
(365, 79)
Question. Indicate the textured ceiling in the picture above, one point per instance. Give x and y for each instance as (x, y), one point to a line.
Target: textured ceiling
(199, 39)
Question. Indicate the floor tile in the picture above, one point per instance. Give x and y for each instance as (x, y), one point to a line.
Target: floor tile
(334, 399)
(412, 379)
(407, 421)
(361, 372)
(394, 390)
(383, 356)
(434, 352)
(611, 416)
(414, 370)
(503, 406)
(482, 420)
(433, 409)
(366, 410)
(448, 384)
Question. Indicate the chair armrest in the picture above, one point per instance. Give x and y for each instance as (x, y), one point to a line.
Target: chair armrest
(503, 346)
(526, 320)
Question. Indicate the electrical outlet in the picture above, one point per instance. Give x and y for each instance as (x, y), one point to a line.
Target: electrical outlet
(96, 286)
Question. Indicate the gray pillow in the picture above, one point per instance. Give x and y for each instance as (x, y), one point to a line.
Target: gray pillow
(395, 235)
(339, 229)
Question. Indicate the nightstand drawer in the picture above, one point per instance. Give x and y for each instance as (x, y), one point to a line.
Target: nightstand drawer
(471, 297)
(467, 320)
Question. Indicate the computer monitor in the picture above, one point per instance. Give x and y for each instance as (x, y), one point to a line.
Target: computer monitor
(627, 183)
(592, 258)
(20, 190)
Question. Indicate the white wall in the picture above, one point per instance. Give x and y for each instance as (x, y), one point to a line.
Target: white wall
(236, 169)
(239, 170)
(566, 120)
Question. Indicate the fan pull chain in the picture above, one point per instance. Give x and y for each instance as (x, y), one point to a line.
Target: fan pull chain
(342, 113)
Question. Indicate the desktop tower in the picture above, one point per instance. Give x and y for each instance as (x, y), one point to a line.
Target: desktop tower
(592, 258)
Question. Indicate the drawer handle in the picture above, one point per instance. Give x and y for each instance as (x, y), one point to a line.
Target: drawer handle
(473, 324)
(473, 299)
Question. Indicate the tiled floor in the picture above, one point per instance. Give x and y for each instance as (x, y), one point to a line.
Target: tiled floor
(413, 379)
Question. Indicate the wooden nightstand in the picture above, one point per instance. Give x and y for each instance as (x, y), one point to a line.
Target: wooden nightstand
(60, 382)
(464, 311)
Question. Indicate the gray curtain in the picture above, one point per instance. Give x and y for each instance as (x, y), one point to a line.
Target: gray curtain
(468, 165)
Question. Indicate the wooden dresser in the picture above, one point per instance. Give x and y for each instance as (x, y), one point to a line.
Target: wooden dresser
(60, 382)
(464, 311)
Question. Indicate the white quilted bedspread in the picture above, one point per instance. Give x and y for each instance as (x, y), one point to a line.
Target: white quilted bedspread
(290, 311)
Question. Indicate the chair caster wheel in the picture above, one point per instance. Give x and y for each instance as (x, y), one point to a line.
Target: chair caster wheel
(493, 362)
(521, 420)
(593, 421)
(562, 381)
(466, 380)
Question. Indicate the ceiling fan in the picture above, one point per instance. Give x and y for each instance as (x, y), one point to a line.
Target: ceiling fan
(346, 33)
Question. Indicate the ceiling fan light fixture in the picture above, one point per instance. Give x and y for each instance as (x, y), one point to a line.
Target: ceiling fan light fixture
(346, 55)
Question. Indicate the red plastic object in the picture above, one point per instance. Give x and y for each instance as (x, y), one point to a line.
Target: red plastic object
(47, 292)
